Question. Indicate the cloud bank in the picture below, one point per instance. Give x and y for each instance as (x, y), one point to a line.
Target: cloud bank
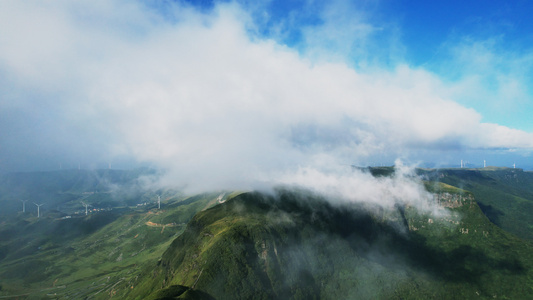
(349, 185)
(203, 96)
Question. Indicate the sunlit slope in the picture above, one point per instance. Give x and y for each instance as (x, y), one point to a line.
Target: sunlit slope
(96, 256)
(505, 195)
(298, 246)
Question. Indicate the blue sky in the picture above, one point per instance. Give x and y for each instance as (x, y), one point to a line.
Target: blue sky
(491, 41)
(435, 31)
(263, 87)
(432, 34)
(428, 25)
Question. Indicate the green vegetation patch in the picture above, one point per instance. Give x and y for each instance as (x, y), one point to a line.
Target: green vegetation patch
(505, 195)
(101, 255)
(298, 246)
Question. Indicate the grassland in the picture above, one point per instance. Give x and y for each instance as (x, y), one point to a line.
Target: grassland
(97, 256)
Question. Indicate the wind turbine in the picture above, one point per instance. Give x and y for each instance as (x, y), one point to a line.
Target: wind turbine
(158, 201)
(38, 209)
(86, 206)
(24, 205)
(484, 163)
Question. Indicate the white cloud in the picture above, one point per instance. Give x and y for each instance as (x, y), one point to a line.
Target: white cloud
(493, 75)
(197, 96)
(348, 185)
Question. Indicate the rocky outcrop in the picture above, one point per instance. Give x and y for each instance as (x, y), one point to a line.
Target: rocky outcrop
(453, 200)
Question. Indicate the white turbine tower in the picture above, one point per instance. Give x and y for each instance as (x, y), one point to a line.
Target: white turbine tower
(484, 163)
(23, 205)
(158, 201)
(38, 209)
(461, 163)
(86, 206)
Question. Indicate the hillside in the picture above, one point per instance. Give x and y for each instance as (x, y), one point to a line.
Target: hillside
(505, 195)
(299, 246)
(97, 256)
(288, 244)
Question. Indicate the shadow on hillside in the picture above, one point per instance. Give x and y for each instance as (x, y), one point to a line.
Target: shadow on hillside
(182, 292)
(315, 241)
(492, 213)
(368, 236)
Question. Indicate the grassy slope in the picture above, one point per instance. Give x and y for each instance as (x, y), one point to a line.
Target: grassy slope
(97, 256)
(301, 247)
(504, 195)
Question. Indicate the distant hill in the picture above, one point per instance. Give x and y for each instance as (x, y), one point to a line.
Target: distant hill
(504, 195)
(63, 190)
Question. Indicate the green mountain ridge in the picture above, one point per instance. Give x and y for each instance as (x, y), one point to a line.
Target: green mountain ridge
(288, 244)
(302, 247)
